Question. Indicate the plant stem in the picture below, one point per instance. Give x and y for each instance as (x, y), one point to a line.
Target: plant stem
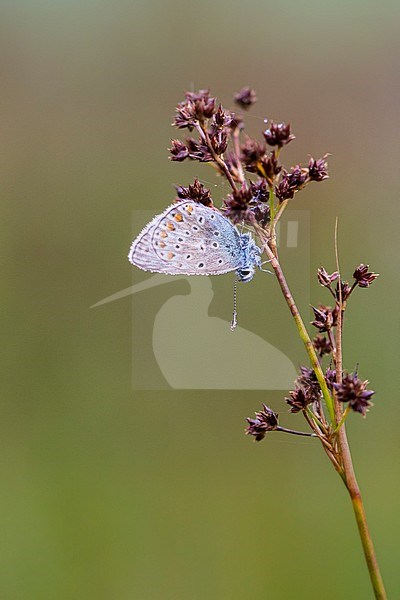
(299, 324)
(281, 210)
(292, 431)
(342, 420)
(349, 476)
(272, 208)
(220, 162)
(350, 482)
(236, 146)
(369, 552)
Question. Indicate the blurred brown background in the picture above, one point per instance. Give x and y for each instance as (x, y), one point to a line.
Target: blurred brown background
(112, 493)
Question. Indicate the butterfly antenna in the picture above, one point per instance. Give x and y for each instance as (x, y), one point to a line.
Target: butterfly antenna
(234, 315)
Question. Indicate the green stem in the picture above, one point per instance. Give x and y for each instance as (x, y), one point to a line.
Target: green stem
(368, 547)
(272, 207)
(314, 418)
(349, 476)
(300, 326)
(342, 420)
(281, 210)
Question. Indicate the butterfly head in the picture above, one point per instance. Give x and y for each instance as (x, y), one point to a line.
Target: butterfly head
(251, 258)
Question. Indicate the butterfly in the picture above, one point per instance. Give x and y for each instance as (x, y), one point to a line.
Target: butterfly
(188, 238)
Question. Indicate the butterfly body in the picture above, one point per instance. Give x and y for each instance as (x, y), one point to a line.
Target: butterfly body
(189, 238)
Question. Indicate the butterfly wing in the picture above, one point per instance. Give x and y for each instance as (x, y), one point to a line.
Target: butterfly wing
(189, 239)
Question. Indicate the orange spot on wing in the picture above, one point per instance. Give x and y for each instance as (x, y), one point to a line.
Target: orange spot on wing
(189, 209)
(178, 218)
(170, 255)
(170, 226)
(163, 234)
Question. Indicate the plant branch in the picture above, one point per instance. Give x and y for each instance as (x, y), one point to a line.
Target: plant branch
(221, 163)
(280, 212)
(285, 430)
(236, 147)
(299, 323)
(344, 450)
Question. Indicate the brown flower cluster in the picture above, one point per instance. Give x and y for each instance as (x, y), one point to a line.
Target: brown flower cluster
(219, 141)
(354, 391)
(325, 317)
(266, 420)
(307, 391)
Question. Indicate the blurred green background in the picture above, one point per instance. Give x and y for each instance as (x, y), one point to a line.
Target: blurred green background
(112, 493)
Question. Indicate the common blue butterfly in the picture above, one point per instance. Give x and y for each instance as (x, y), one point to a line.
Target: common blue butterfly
(188, 238)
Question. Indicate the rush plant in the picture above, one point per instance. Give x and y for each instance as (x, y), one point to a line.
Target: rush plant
(261, 188)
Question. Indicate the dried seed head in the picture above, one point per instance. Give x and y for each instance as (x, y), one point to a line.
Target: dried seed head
(318, 168)
(322, 345)
(245, 98)
(197, 107)
(251, 153)
(198, 151)
(325, 279)
(297, 177)
(222, 118)
(345, 289)
(298, 400)
(325, 317)
(269, 167)
(196, 192)
(178, 151)
(354, 391)
(266, 420)
(291, 183)
(219, 140)
(363, 277)
(260, 191)
(283, 191)
(308, 381)
(330, 377)
(262, 214)
(238, 205)
(259, 202)
(278, 134)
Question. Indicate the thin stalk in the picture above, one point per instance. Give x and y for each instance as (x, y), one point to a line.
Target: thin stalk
(332, 340)
(344, 449)
(272, 208)
(292, 431)
(369, 552)
(236, 147)
(343, 419)
(300, 326)
(221, 163)
(281, 210)
(314, 418)
(326, 444)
